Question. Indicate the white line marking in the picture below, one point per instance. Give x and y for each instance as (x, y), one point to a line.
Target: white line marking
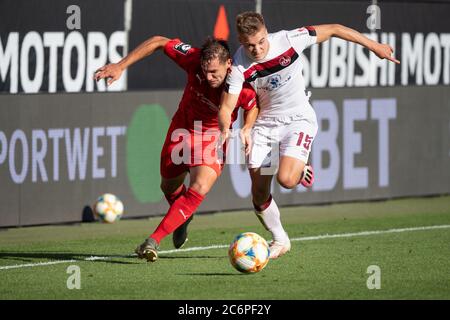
(94, 258)
(320, 237)
(369, 233)
(36, 264)
(325, 236)
(219, 246)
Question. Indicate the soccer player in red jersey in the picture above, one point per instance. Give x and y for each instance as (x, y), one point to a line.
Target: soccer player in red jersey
(193, 132)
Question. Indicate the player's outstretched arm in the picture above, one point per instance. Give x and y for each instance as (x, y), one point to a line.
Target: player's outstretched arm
(326, 31)
(113, 71)
(227, 104)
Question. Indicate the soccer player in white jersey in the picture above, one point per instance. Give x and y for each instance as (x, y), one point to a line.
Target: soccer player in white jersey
(270, 62)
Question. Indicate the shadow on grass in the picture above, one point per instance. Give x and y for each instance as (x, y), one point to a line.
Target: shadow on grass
(32, 257)
(208, 274)
(191, 257)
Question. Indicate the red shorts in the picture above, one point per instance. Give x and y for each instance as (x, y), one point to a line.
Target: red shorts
(186, 148)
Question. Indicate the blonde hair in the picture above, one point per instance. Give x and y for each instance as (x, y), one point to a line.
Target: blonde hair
(248, 23)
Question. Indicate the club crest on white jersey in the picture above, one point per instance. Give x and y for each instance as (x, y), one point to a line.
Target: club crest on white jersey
(278, 78)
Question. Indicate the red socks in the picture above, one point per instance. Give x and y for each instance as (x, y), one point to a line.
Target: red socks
(180, 210)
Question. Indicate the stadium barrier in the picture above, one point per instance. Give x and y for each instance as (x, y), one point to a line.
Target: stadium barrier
(59, 152)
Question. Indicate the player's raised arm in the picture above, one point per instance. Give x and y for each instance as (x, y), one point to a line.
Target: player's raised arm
(326, 31)
(113, 71)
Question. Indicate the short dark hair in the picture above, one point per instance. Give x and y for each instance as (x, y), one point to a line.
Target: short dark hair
(249, 22)
(215, 49)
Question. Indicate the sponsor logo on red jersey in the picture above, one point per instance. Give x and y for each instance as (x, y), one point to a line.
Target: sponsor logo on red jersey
(182, 47)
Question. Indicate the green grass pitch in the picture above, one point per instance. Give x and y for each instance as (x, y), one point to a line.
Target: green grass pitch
(413, 263)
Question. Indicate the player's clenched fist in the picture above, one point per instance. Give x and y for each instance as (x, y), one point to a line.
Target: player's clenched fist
(111, 72)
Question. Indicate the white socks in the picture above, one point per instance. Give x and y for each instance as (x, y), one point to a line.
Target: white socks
(270, 218)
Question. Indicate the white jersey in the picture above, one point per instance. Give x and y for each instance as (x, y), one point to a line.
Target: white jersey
(277, 79)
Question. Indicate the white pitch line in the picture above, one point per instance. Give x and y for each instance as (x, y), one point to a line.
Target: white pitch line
(325, 236)
(36, 264)
(320, 237)
(369, 233)
(219, 246)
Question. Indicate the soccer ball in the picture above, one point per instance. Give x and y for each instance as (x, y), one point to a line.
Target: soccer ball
(249, 252)
(108, 208)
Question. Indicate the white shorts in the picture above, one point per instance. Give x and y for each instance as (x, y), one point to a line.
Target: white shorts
(282, 136)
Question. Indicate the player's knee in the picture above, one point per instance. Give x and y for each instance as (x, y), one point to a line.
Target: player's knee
(200, 187)
(287, 181)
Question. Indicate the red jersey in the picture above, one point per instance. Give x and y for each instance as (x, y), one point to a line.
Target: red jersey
(200, 102)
